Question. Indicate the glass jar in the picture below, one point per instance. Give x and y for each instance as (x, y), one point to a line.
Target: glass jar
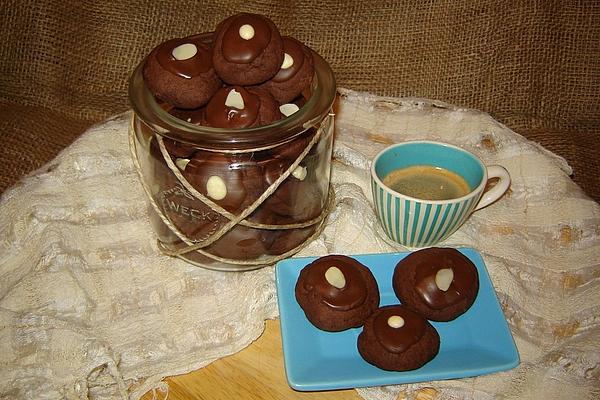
(273, 181)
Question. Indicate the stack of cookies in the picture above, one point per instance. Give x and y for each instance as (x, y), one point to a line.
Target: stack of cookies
(250, 76)
(246, 75)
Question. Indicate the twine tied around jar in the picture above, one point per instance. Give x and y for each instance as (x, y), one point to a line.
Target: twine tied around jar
(233, 220)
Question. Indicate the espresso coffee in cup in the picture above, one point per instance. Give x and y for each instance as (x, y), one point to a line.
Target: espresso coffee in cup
(427, 182)
(423, 191)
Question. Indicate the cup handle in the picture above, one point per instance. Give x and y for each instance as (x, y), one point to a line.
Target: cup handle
(490, 196)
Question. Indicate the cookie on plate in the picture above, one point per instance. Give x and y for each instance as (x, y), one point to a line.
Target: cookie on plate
(439, 283)
(180, 72)
(248, 49)
(395, 338)
(337, 292)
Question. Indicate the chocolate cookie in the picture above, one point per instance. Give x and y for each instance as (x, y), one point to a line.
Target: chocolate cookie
(439, 283)
(248, 49)
(294, 75)
(178, 150)
(189, 215)
(194, 116)
(287, 239)
(238, 107)
(395, 338)
(180, 72)
(241, 243)
(219, 177)
(292, 107)
(336, 293)
(175, 148)
(298, 197)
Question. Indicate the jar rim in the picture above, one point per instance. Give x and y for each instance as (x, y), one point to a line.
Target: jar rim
(319, 104)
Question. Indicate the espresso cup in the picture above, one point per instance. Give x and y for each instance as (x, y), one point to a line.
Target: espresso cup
(417, 169)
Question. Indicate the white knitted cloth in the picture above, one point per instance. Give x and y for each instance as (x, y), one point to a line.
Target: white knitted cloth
(89, 308)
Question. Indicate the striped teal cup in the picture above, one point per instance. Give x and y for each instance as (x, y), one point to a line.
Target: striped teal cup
(405, 181)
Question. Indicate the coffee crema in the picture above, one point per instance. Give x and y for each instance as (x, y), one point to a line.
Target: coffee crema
(427, 182)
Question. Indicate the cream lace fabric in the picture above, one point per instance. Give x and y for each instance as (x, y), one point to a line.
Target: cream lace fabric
(91, 309)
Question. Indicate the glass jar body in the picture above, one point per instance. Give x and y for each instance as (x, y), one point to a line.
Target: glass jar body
(238, 199)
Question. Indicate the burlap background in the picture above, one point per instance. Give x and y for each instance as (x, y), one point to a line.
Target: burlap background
(532, 64)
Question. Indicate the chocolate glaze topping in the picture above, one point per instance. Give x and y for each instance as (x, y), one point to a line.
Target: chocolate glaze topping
(194, 66)
(294, 49)
(205, 165)
(465, 276)
(243, 51)
(219, 115)
(350, 296)
(398, 340)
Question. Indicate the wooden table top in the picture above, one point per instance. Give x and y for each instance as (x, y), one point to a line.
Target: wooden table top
(254, 373)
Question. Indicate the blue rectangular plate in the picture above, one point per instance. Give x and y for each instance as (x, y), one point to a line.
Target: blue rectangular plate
(476, 343)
